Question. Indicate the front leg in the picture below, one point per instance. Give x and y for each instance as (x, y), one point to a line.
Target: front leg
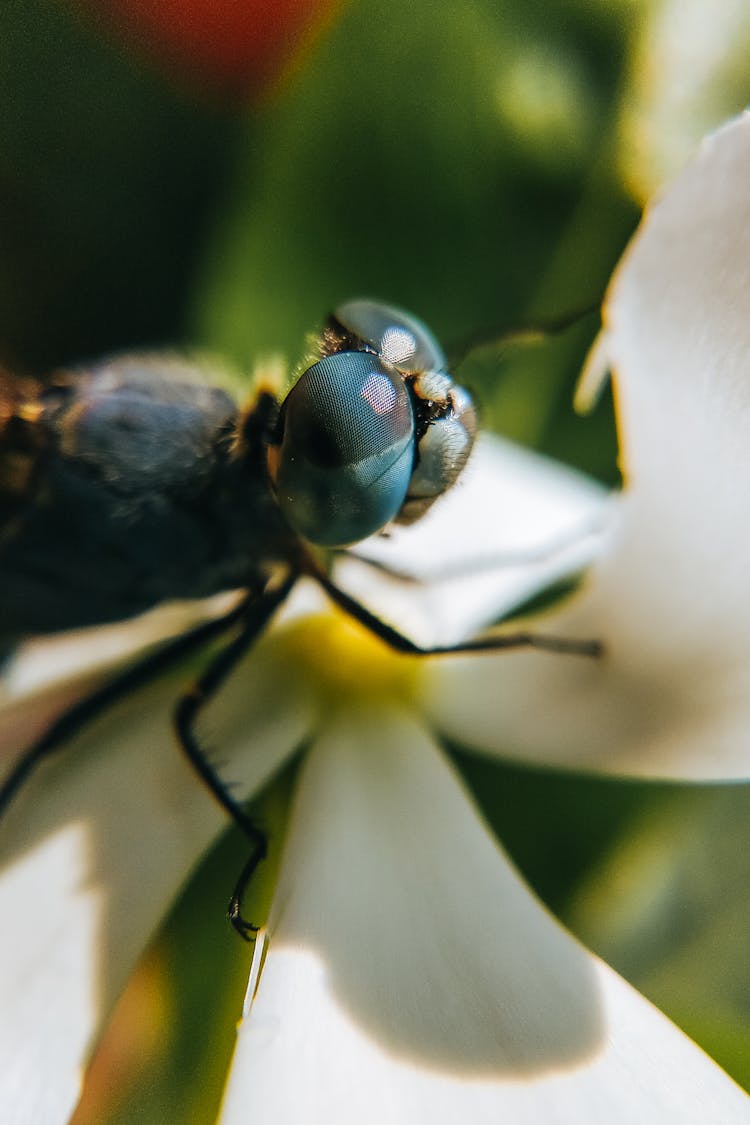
(189, 706)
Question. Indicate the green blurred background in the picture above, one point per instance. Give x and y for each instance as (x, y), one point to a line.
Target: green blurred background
(482, 164)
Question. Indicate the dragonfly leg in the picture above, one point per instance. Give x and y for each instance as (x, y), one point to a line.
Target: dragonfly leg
(257, 614)
(67, 725)
(490, 643)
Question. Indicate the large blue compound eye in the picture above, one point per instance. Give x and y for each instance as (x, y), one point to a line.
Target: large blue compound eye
(347, 450)
(400, 339)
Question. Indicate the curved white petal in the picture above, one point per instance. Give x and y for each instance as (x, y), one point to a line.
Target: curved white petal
(669, 598)
(92, 853)
(411, 976)
(679, 342)
(513, 523)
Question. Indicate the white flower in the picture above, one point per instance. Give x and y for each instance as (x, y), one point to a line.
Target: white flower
(410, 975)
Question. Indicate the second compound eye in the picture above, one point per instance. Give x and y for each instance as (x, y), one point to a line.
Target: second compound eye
(347, 449)
(396, 336)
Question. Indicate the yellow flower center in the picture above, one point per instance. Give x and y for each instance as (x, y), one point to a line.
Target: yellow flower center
(344, 661)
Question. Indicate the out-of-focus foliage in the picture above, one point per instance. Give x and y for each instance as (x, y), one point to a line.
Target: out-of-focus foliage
(482, 164)
(669, 906)
(107, 180)
(440, 159)
(224, 48)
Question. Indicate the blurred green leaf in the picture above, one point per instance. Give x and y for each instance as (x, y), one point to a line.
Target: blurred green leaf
(106, 177)
(399, 167)
(668, 906)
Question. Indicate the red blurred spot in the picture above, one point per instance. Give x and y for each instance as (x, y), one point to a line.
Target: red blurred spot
(233, 48)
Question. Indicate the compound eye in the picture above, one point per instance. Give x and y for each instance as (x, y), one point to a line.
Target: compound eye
(347, 450)
(400, 339)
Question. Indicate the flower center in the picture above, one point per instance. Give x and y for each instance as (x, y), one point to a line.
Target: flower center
(342, 660)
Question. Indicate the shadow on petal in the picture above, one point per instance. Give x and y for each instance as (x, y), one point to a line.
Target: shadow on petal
(432, 944)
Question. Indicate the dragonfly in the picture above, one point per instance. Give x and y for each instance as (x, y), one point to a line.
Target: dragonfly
(136, 481)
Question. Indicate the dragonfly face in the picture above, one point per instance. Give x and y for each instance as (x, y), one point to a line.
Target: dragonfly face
(373, 432)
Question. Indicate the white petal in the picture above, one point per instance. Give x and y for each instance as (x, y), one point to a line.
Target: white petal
(669, 599)
(514, 522)
(686, 722)
(94, 850)
(411, 977)
(679, 341)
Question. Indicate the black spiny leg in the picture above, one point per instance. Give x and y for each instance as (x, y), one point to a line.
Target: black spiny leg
(257, 615)
(491, 643)
(67, 725)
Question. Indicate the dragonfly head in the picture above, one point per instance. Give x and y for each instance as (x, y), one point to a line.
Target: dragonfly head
(372, 433)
